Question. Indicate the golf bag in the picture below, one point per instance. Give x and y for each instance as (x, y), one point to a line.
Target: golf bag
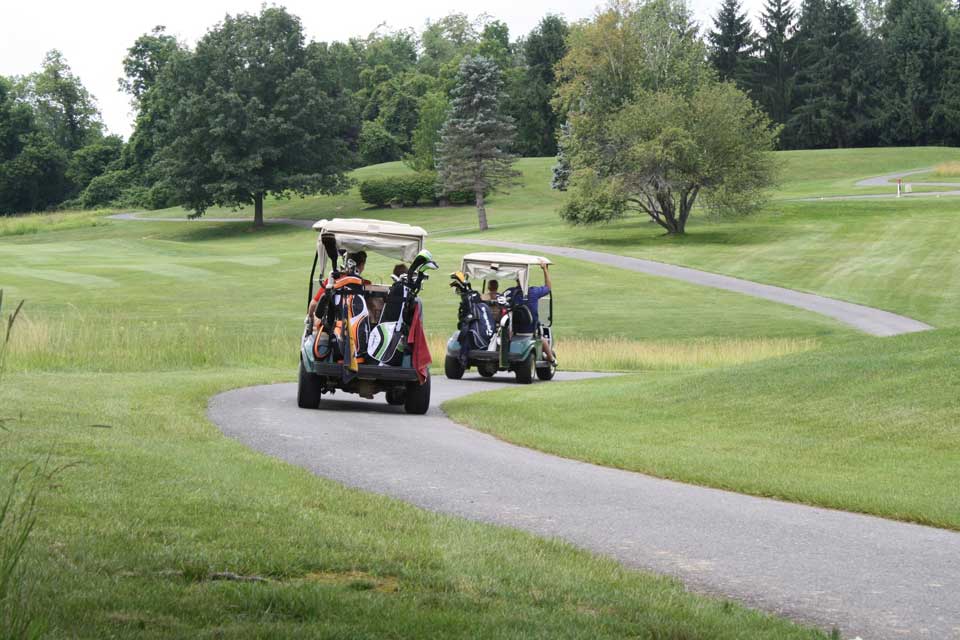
(387, 341)
(352, 327)
(477, 326)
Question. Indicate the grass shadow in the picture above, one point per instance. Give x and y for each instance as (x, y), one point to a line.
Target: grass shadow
(206, 232)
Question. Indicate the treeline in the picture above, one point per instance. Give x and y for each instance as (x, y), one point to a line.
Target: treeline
(255, 108)
(383, 97)
(847, 73)
(52, 141)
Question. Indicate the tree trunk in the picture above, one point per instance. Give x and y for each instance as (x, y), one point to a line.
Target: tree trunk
(481, 211)
(258, 209)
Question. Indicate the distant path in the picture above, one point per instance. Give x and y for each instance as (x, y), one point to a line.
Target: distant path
(887, 181)
(867, 319)
(871, 577)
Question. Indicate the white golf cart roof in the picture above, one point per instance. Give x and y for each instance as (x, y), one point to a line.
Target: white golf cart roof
(488, 265)
(391, 239)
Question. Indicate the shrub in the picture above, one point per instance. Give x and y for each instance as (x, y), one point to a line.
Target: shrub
(376, 191)
(105, 190)
(160, 196)
(408, 190)
(377, 144)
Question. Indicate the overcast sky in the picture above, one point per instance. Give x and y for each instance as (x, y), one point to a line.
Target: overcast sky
(95, 35)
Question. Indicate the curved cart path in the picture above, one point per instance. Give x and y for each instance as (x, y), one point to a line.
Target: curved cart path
(887, 180)
(867, 319)
(869, 577)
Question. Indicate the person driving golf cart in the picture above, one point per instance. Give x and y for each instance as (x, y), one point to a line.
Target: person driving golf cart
(527, 325)
(493, 290)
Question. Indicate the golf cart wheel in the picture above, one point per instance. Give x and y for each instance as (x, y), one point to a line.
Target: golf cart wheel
(453, 368)
(487, 370)
(308, 389)
(395, 396)
(526, 368)
(547, 372)
(417, 398)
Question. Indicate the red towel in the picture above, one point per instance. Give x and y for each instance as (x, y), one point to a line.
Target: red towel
(421, 350)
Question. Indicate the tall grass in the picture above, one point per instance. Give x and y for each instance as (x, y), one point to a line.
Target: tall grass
(18, 516)
(118, 343)
(947, 169)
(617, 354)
(19, 225)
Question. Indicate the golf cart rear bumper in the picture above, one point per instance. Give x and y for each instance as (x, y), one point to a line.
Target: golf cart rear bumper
(484, 357)
(368, 372)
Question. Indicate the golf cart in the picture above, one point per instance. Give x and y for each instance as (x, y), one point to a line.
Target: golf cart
(485, 336)
(364, 338)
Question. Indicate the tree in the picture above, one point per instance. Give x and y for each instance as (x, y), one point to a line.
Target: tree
(915, 42)
(650, 127)
(834, 81)
(731, 42)
(947, 111)
(145, 60)
(35, 179)
(376, 144)
(628, 47)
(536, 120)
(472, 154)
(666, 149)
(775, 72)
(433, 113)
(495, 43)
(93, 160)
(32, 166)
(62, 107)
(250, 119)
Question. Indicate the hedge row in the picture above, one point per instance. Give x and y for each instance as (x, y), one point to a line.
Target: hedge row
(408, 191)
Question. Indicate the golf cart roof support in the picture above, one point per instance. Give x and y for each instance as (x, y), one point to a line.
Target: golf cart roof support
(496, 265)
(392, 239)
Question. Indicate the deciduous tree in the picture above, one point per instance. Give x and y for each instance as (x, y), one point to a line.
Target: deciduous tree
(250, 119)
(651, 128)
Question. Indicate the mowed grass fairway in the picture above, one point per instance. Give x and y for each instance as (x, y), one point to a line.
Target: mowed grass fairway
(130, 327)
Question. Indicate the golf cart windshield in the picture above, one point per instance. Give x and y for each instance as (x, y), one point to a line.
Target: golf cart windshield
(501, 266)
(391, 239)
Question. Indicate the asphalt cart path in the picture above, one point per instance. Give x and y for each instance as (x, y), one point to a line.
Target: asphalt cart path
(867, 576)
(867, 319)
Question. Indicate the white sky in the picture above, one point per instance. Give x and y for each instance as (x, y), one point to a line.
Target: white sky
(95, 35)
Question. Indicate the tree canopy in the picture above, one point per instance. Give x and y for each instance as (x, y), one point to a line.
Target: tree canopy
(672, 134)
(251, 119)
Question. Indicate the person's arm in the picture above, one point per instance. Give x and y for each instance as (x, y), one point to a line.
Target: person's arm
(546, 274)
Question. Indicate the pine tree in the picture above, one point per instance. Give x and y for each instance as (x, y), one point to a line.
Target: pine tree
(472, 154)
(731, 42)
(915, 41)
(775, 74)
(946, 115)
(834, 78)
